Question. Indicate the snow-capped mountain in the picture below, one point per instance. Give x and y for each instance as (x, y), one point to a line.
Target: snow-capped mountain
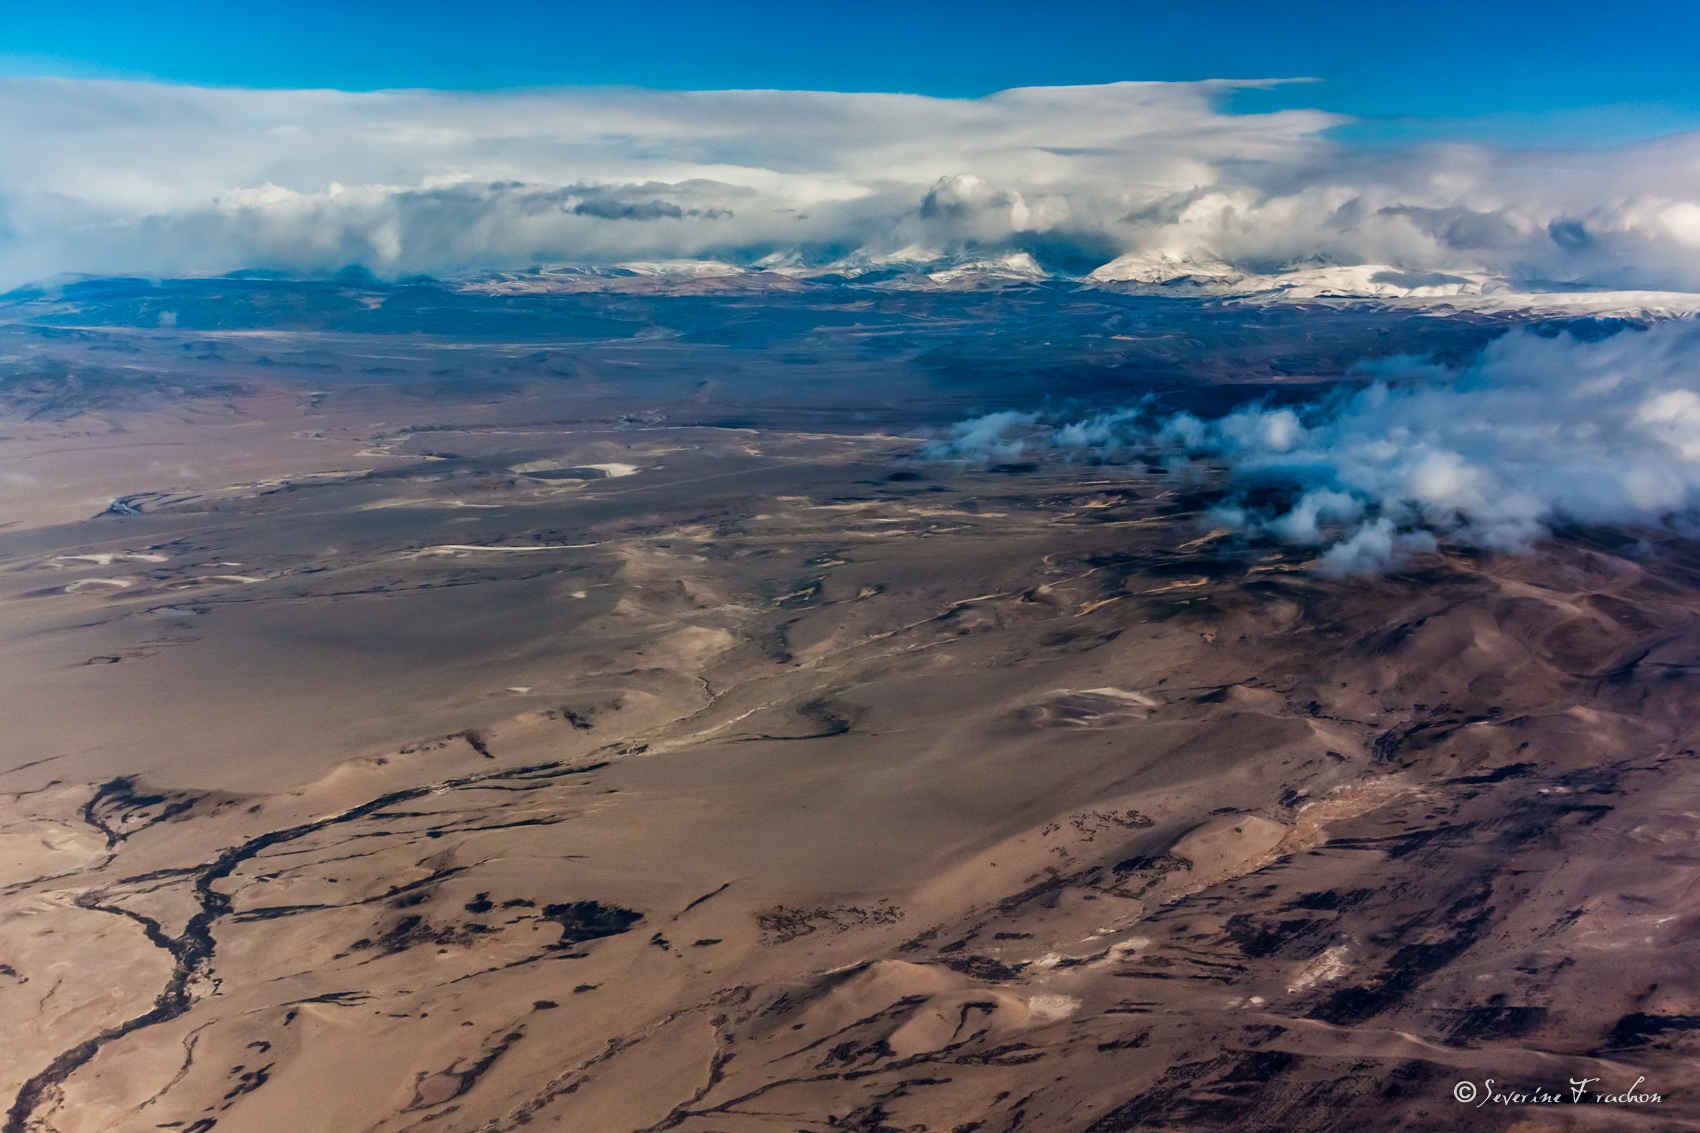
(1195, 274)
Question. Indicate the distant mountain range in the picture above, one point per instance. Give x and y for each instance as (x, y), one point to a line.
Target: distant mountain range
(595, 301)
(1148, 273)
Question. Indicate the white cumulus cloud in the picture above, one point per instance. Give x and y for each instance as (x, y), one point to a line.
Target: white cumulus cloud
(1532, 432)
(1138, 181)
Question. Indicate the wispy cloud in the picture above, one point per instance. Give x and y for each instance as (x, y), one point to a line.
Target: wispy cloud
(112, 177)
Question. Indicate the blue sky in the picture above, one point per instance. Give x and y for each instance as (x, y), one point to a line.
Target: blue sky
(1509, 73)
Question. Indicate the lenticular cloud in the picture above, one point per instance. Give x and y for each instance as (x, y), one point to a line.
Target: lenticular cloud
(1535, 431)
(1145, 183)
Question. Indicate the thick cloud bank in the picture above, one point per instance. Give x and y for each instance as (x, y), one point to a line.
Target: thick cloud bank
(1534, 431)
(1141, 182)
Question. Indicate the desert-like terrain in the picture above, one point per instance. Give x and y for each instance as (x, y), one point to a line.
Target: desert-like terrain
(451, 734)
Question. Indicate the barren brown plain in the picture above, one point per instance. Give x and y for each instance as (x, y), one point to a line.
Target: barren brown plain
(734, 779)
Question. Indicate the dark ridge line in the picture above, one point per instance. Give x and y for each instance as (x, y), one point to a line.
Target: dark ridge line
(189, 1043)
(150, 927)
(31, 763)
(716, 1073)
(441, 831)
(19, 796)
(221, 600)
(272, 912)
(523, 1114)
(701, 899)
(193, 948)
(340, 998)
(500, 968)
(902, 1004)
(468, 1077)
(759, 737)
(1008, 1055)
(19, 886)
(159, 874)
(438, 831)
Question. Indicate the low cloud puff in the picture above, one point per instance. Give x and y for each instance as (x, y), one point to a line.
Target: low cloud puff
(1136, 181)
(1534, 431)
